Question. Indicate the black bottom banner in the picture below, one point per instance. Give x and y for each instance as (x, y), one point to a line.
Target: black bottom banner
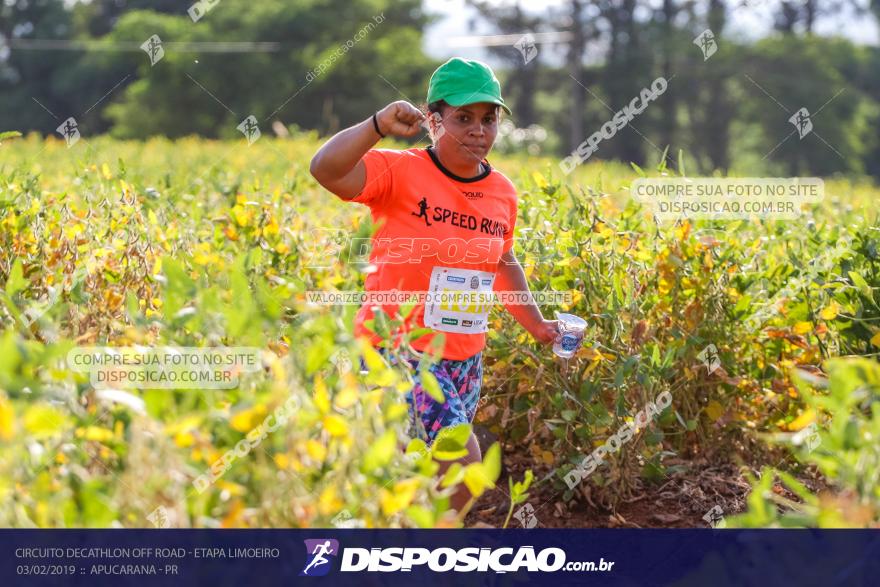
(222, 558)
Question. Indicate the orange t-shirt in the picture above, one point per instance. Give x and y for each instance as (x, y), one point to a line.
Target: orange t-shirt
(439, 234)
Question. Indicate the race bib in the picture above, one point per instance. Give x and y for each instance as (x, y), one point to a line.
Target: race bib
(459, 300)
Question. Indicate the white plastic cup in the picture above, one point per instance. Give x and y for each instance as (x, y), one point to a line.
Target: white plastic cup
(571, 334)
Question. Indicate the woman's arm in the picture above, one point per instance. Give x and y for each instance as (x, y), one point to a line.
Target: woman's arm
(511, 277)
(337, 165)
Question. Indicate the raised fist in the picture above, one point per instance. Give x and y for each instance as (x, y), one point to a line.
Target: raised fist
(400, 119)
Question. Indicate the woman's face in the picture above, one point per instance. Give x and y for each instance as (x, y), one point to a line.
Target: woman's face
(468, 131)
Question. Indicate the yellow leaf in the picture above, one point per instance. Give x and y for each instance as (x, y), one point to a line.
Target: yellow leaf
(246, 420)
(282, 461)
(830, 312)
(42, 421)
(802, 327)
(548, 457)
(241, 216)
(232, 488)
(183, 439)
(113, 299)
(476, 479)
(184, 424)
(371, 357)
(231, 519)
(643, 255)
(95, 433)
(105, 171)
(400, 497)
(875, 340)
(395, 412)
(271, 227)
(432, 386)
(7, 419)
(592, 367)
(329, 502)
(681, 232)
(347, 397)
(802, 421)
(335, 425)
(322, 397)
(714, 410)
(316, 450)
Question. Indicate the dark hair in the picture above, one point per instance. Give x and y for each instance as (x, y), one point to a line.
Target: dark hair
(437, 106)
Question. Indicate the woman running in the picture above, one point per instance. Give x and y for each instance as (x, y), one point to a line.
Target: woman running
(446, 221)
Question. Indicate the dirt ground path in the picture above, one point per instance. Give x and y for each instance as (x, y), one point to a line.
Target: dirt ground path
(681, 500)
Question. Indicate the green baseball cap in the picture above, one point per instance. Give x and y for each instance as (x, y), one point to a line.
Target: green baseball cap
(465, 81)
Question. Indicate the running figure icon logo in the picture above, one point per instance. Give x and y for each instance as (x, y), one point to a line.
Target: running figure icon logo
(707, 44)
(317, 562)
(69, 129)
(153, 48)
(423, 210)
(249, 129)
(801, 121)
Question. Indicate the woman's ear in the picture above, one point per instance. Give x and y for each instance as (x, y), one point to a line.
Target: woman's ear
(436, 122)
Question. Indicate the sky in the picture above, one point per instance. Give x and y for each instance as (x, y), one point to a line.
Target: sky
(746, 23)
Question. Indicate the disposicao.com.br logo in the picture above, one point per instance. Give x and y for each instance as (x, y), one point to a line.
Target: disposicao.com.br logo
(440, 560)
(317, 561)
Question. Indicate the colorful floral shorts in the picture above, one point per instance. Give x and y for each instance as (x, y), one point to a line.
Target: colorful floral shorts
(460, 382)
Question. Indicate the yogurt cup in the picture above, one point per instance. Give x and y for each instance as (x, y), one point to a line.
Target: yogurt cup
(571, 334)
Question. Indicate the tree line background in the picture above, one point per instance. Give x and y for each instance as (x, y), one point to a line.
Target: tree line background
(728, 112)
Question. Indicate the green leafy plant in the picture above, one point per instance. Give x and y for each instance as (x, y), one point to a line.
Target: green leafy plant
(9, 134)
(841, 444)
(518, 493)
(152, 243)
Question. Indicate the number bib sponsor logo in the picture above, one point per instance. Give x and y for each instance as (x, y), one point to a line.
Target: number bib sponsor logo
(459, 300)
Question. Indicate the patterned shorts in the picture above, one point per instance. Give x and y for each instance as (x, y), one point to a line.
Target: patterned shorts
(460, 382)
